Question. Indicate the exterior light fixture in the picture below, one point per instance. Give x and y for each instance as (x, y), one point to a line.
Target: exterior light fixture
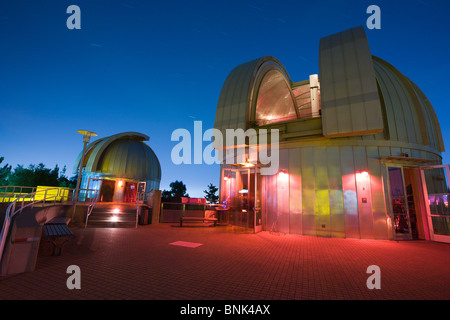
(282, 173)
(114, 219)
(120, 183)
(86, 137)
(362, 174)
(247, 164)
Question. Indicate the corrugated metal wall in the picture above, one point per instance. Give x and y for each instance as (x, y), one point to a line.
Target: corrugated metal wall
(323, 194)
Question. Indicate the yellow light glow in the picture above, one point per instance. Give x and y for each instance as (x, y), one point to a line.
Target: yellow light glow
(116, 210)
(247, 164)
(114, 219)
(120, 183)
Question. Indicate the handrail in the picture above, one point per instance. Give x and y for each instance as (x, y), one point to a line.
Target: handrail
(92, 204)
(11, 211)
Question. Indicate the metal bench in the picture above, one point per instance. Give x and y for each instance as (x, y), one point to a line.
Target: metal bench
(191, 219)
(57, 232)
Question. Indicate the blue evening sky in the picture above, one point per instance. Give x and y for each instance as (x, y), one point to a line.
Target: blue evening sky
(153, 67)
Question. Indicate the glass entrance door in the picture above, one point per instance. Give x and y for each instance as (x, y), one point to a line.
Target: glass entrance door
(257, 205)
(436, 191)
(399, 205)
(240, 193)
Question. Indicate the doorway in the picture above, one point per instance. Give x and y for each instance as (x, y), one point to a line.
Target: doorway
(399, 204)
(241, 193)
(418, 199)
(130, 192)
(436, 192)
(107, 190)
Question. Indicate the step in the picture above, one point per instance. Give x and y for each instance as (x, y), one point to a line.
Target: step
(112, 211)
(102, 218)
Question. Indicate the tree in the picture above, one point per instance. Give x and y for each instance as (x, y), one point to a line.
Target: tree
(34, 175)
(211, 195)
(64, 181)
(176, 192)
(4, 173)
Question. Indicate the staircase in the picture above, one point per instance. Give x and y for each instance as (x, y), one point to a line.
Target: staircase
(113, 216)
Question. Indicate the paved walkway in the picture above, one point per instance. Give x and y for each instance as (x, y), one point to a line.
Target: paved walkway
(144, 263)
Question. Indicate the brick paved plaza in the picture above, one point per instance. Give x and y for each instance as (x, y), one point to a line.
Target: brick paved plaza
(149, 263)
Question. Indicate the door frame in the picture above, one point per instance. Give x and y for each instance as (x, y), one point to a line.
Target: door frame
(434, 237)
(239, 169)
(391, 209)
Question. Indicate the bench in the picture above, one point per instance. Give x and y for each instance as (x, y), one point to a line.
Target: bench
(193, 219)
(57, 232)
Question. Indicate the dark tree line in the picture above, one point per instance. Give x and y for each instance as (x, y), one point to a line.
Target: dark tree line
(39, 175)
(178, 190)
(35, 175)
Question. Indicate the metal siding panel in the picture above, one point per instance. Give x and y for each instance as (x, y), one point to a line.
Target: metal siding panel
(396, 152)
(131, 167)
(429, 128)
(406, 105)
(232, 91)
(141, 162)
(308, 191)
(390, 116)
(337, 217)
(222, 113)
(295, 191)
(415, 153)
(108, 160)
(353, 82)
(238, 108)
(348, 87)
(325, 63)
(322, 193)
(349, 189)
(272, 215)
(363, 192)
(283, 194)
(384, 152)
(232, 106)
(396, 107)
(340, 89)
(376, 187)
(263, 202)
(434, 129)
(121, 163)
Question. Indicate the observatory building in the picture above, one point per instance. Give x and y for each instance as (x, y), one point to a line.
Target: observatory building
(359, 148)
(118, 166)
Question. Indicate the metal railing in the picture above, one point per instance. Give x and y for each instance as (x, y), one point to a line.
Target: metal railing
(44, 196)
(180, 208)
(10, 193)
(92, 203)
(49, 196)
